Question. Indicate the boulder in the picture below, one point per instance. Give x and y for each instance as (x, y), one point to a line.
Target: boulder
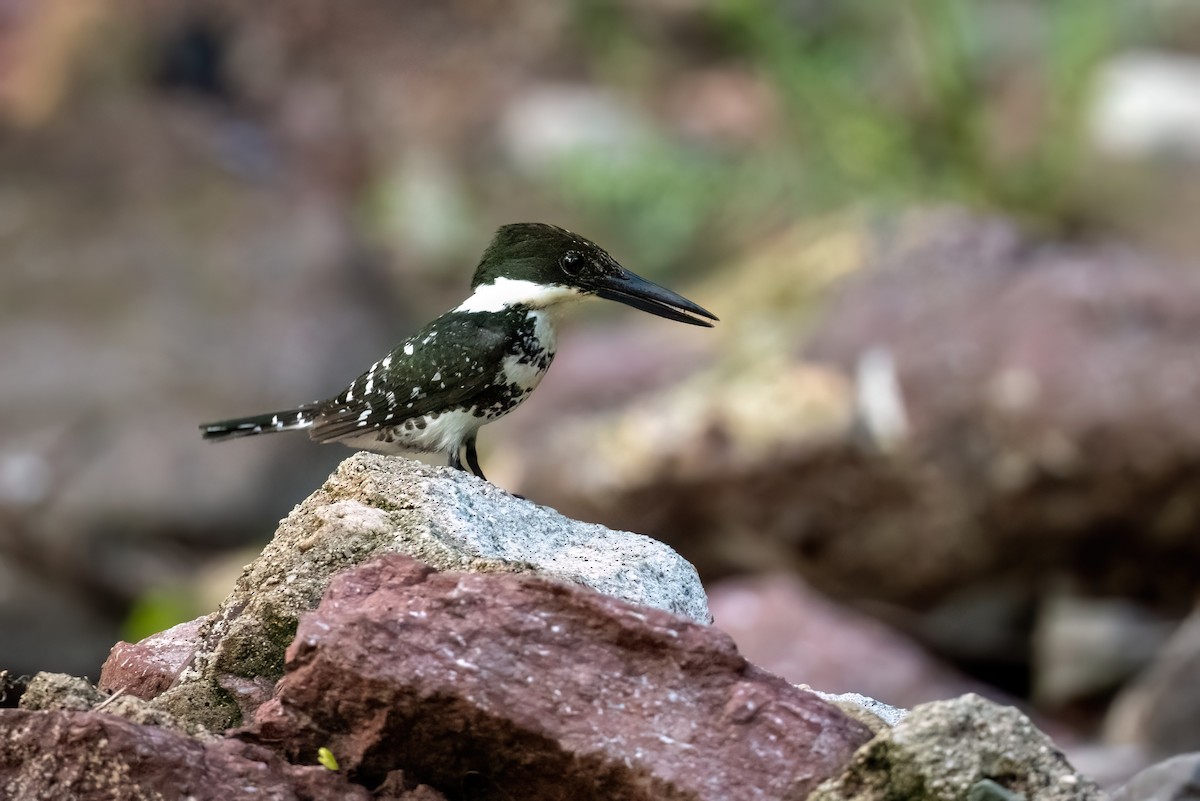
(1049, 389)
(145, 669)
(59, 691)
(92, 755)
(513, 686)
(446, 518)
(780, 624)
(965, 748)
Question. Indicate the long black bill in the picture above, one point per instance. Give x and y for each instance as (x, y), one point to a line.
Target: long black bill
(635, 291)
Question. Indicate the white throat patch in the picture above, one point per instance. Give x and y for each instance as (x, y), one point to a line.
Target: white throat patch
(504, 293)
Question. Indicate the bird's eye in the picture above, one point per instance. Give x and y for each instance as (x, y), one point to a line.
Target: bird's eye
(572, 262)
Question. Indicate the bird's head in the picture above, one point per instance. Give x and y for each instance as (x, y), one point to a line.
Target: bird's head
(539, 265)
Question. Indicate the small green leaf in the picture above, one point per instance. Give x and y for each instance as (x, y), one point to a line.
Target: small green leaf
(326, 758)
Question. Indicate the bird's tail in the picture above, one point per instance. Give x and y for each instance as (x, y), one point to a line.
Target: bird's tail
(269, 423)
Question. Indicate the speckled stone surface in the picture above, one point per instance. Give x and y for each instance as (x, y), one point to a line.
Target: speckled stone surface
(446, 518)
(539, 690)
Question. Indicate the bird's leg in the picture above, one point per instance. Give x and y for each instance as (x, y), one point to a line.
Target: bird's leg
(456, 460)
(473, 458)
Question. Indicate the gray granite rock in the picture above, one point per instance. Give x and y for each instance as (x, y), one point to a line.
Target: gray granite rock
(59, 691)
(453, 521)
(967, 747)
(876, 715)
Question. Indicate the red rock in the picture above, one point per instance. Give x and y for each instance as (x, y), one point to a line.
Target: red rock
(91, 755)
(1051, 391)
(784, 626)
(512, 686)
(147, 668)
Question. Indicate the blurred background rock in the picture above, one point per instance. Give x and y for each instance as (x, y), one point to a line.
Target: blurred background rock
(944, 438)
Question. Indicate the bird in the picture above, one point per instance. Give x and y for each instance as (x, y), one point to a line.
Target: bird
(478, 361)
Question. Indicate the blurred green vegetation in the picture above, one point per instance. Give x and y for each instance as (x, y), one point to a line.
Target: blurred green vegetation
(158, 610)
(963, 101)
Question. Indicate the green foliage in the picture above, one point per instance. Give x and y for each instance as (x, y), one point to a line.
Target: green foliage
(157, 610)
(326, 758)
(977, 102)
(660, 197)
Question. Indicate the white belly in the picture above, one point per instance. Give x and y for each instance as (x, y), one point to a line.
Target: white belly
(430, 434)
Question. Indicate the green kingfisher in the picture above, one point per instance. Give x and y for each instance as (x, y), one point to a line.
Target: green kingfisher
(478, 361)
